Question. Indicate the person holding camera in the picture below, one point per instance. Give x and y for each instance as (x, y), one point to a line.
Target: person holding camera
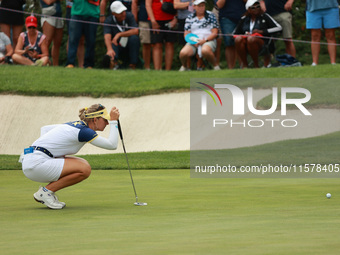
(6, 49)
(32, 47)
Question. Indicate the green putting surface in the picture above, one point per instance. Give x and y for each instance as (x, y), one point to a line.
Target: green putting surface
(183, 216)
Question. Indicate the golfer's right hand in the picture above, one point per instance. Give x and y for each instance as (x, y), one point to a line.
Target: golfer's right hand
(114, 113)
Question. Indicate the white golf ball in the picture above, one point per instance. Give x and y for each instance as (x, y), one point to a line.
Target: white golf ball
(328, 195)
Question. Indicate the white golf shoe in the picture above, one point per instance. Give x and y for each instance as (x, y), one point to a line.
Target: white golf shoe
(48, 198)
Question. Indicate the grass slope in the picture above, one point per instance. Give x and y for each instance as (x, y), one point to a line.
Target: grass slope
(322, 150)
(59, 81)
(183, 216)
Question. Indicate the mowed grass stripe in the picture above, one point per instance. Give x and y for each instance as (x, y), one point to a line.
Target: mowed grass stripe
(183, 216)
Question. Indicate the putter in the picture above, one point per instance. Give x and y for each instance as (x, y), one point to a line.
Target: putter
(133, 184)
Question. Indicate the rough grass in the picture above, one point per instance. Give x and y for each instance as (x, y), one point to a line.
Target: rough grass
(59, 81)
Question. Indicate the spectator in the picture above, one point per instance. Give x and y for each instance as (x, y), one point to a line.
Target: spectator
(52, 26)
(84, 19)
(215, 10)
(81, 46)
(12, 19)
(230, 13)
(141, 16)
(184, 9)
(103, 9)
(249, 31)
(204, 24)
(280, 11)
(322, 14)
(121, 35)
(161, 22)
(6, 49)
(31, 47)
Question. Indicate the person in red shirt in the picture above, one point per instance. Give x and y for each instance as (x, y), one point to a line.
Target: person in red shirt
(161, 22)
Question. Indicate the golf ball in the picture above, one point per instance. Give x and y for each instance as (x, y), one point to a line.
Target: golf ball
(328, 195)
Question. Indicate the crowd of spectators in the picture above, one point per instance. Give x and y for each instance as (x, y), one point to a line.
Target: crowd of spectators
(244, 26)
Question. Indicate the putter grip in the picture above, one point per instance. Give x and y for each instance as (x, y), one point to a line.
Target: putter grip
(120, 130)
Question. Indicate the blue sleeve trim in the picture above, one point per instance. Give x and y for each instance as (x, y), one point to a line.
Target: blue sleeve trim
(86, 134)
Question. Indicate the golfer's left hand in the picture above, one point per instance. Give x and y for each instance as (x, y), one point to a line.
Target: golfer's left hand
(114, 113)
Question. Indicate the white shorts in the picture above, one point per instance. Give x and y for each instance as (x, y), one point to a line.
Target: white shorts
(39, 167)
(54, 22)
(212, 44)
(47, 15)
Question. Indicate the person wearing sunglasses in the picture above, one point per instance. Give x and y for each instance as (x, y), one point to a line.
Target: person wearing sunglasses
(32, 47)
(252, 33)
(48, 159)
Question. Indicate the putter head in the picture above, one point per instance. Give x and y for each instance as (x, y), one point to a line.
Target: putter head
(140, 203)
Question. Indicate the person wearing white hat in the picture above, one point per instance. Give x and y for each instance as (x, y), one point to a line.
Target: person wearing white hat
(48, 160)
(203, 24)
(121, 36)
(249, 31)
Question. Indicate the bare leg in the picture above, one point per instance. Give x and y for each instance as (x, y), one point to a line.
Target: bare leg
(253, 46)
(21, 60)
(169, 55)
(147, 55)
(185, 54)
(218, 50)
(315, 46)
(16, 30)
(290, 47)
(330, 36)
(208, 54)
(75, 170)
(58, 36)
(230, 56)
(240, 46)
(48, 30)
(157, 55)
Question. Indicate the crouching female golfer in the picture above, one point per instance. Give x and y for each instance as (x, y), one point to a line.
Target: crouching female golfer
(47, 161)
